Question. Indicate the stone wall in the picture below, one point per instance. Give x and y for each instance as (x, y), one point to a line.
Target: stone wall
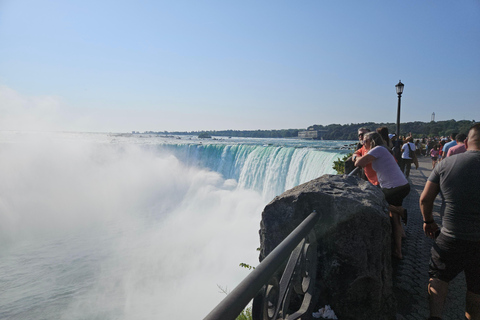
(354, 273)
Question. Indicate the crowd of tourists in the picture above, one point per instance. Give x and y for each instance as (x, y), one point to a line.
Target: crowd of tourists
(386, 161)
(438, 148)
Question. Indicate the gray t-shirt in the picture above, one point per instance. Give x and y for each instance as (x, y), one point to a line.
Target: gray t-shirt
(459, 180)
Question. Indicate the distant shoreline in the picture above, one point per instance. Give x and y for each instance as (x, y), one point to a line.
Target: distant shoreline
(339, 132)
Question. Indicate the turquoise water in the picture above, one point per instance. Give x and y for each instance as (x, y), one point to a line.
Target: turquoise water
(267, 166)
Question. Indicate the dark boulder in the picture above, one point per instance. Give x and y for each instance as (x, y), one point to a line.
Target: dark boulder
(354, 273)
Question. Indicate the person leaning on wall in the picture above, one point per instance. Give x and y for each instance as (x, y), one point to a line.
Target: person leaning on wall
(392, 182)
(368, 171)
(358, 150)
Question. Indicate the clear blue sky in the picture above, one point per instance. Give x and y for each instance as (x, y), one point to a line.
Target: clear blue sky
(118, 66)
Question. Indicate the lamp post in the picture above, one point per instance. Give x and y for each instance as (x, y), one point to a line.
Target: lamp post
(399, 88)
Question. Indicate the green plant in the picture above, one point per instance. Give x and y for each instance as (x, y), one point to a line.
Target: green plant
(246, 266)
(339, 164)
(246, 313)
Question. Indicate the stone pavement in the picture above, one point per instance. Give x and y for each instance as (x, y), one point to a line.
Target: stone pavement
(410, 278)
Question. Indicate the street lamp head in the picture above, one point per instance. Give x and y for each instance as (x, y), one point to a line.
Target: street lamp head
(399, 88)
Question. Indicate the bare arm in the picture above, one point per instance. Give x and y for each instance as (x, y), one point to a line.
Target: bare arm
(426, 206)
(363, 161)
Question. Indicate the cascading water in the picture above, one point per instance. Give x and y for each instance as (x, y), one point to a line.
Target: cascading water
(94, 226)
(269, 170)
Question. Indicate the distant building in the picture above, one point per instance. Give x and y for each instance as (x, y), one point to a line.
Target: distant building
(311, 133)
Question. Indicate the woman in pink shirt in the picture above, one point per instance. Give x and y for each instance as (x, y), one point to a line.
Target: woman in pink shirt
(434, 155)
(392, 182)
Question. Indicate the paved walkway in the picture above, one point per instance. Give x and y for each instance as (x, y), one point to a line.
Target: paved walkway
(411, 274)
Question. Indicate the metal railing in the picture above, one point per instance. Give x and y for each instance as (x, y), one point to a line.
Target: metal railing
(272, 297)
(354, 171)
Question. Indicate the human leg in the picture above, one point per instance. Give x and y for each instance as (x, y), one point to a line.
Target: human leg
(437, 292)
(402, 164)
(472, 277)
(397, 232)
(450, 256)
(402, 213)
(472, 306)
(394, 197)
(408, 165)
(396, 209)
(399, 210)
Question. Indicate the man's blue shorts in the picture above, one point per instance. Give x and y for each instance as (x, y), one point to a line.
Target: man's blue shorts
(451, 256)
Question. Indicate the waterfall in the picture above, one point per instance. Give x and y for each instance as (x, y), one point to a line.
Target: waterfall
(269, 170)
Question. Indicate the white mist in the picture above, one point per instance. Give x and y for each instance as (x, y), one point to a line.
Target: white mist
(96, 230)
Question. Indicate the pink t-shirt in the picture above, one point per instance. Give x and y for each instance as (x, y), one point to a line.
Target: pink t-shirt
(459, 148)
(434, 153)
(389, 174)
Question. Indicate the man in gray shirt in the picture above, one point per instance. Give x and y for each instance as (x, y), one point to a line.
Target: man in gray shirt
(457, 248)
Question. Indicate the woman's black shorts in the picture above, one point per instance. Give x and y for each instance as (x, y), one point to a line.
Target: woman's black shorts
(395, 196)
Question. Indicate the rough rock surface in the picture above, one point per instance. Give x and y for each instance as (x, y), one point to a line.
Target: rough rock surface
(354, 273)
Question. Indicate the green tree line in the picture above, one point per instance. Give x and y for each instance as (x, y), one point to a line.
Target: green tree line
(347, 131)
(284, 133)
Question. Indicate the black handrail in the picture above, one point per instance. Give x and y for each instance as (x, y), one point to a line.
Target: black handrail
(353, 171)
(233, 304)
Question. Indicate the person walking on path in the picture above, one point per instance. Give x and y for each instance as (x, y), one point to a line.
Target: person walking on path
(448, 145)
(460, 147)
(407, 157)
(429, 147)
(397, 149)
(441, 144)
(434, 155)
(457, 247)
